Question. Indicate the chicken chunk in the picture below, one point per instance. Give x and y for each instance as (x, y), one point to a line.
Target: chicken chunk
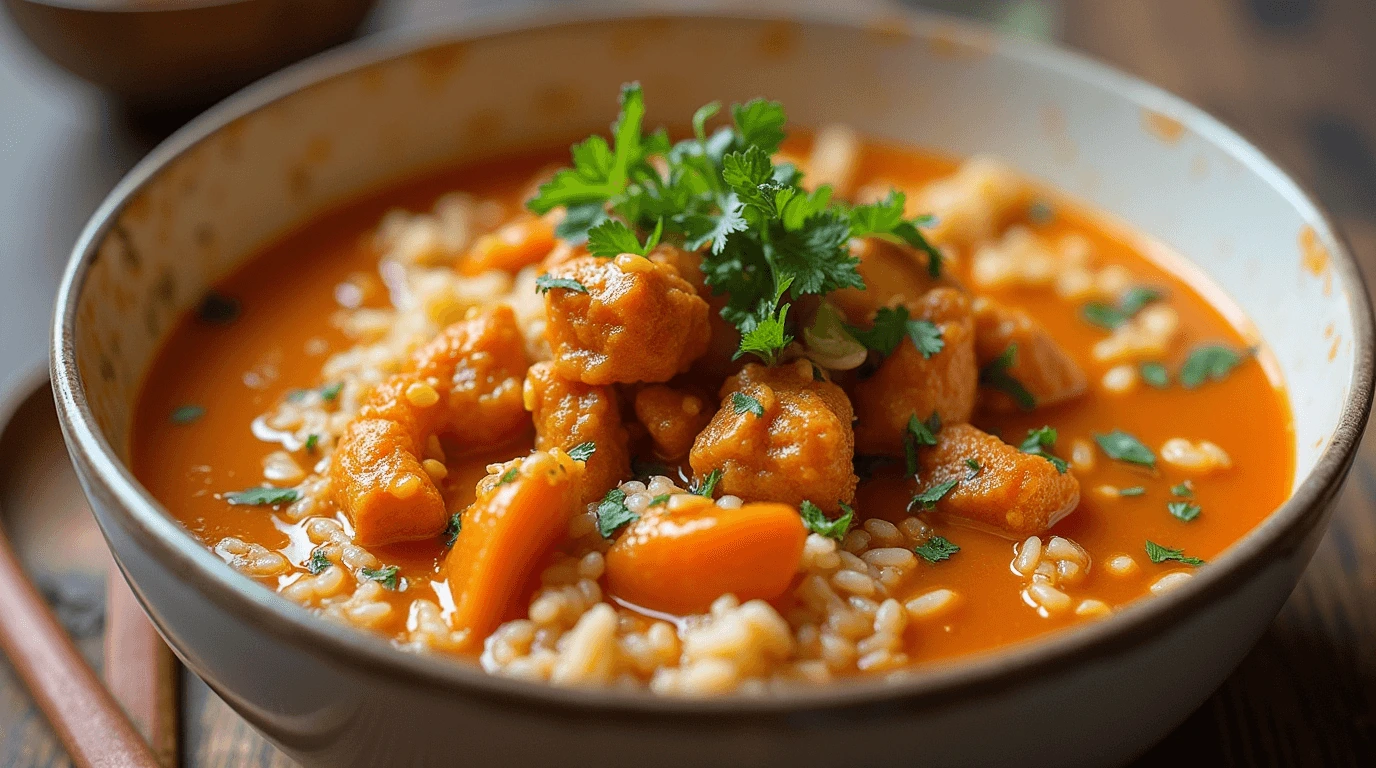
(893, 275)
(672, 417)
(1048, 374)
(780, 435)
(568, 413)
(633, 320)
(1015, 493)
(908, 384)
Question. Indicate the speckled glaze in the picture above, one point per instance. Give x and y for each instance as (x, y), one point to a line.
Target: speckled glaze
(324, 131)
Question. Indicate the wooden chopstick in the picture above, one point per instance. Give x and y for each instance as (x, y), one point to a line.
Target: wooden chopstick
(140, 670)
(85, 717)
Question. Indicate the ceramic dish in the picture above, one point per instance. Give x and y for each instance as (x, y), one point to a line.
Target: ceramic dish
(374, 114)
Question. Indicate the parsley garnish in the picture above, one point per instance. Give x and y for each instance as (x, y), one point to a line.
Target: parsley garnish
(919, 433)
(263, 496)
(1156, 375)
(217, 309)
(1183, 510)
(1184, 490)
(1159, 554)
(928, 498)
(974, 468)
(1111, 317)
(583, 451)
(891, 324)
(817, 521)
(1040, 442)
(1135, 490)
(612, 513)
(452, 530)
(387, 577)
(660, 499)
(708, 486)
(1124, 447)
(545, 282)
(1212, 362)
(317, 562)
(936, 549)
(330, 392)
(509, 475)
(312, 440)
(187, 414)
(769, 242)
(995, 376)
(743, 403)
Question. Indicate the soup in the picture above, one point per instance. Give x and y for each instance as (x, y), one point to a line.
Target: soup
(723, 415)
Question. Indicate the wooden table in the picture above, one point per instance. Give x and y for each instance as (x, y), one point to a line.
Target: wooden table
(1298, 77)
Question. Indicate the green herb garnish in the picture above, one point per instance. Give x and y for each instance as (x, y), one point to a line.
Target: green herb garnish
(708, 486)
(1135, 490)
(1183, 510)
(312, 442)
(583, 451)
(612, 513)
(743, 403)
(919, 433)
(1111, 317)
(452, 530)
(995, 376)
(1184, 490)
(1040, 442)
(544, 283)
(612, 238)
(936, 549)
(509, 475)
(318, 562)
(890, 325)
(1124, 447)
(187, 414)
(928, 498)
(817, 521)
(1155, 374)
(974, 468)
(387, 577)
(330, 392)
(662, 498)
(262, 496)
(1159, 554)
(1212, 362)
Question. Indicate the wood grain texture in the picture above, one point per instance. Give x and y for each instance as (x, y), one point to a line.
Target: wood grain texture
(140, 670)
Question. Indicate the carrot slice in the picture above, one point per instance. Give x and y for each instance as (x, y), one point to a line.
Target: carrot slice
(505, 535)
(679, 561)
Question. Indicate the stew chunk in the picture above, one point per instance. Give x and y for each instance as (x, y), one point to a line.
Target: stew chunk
(1014, 492)
(912, 382)
(1038, 362)
(623, 320)
(781, 436)
(569, 413)
(672, 417)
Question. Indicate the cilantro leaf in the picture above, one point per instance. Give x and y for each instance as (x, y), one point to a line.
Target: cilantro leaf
(919, 433)
(330, 392)
(544, 283)
(1211, 362)
(509, 475)
(1122, 446)
(743, 403)
(599, 172)
(318, 562)
(452, 530)
(262, 496)
(1184, 490)
(612, 513)
(817, 521)
(1159, 554)
(312, 441)
(1110, 317)
(708, 486)
(578, 220)
(1155, 375)
(885, 218)
(760, 123)
(995, 376)
(885, 334)
(582, 451)
(1040, 442)
(767, 339)
(387, 577)
(1135, 490)
(611, 238)
(927, 499)
(926, 337)
(974, 468)
(936, 549)
(662, 498)
(1183, 510)
(187, 414)
(816, 258)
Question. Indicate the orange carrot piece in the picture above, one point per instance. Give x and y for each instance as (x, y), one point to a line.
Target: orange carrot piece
(512, 247)
(680, 561)
(505, 535)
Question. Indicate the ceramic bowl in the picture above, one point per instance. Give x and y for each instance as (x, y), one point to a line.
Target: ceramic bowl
(373, 114)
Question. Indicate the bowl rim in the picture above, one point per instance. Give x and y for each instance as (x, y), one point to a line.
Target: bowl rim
(937, 685)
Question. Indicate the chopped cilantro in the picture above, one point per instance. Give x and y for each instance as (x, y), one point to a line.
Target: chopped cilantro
(974, 468)
(1124, 447)
(297, 395)
(217, 309)
(1111, 317)
(928, 498)
(1040, 442)
(386, 576)
(817, 521)
(612, 238)
(995, 376)
(660, 499)
(545, 282)
(891, 324)
(187, 414)
(509, 475)
(919, 433)
(743, 403)
(318, 562)
(612, 513)
(1135, 490)
(312, 441)
(1212, 362)
(583, 451)
(1184, 490)
(936, 549)
(1155, 374)
(1183, 510)
(1159, 554)
(708, 486)
(926, 337)
(452, 529)
(263, 496)
(330, 392)
(885, 219)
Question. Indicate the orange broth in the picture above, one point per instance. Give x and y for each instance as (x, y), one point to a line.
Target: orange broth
(284, 333)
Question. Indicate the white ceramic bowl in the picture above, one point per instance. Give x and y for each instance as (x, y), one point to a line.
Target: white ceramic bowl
(376, 113)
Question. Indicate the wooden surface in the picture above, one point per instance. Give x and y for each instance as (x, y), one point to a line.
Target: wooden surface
(1298, 77)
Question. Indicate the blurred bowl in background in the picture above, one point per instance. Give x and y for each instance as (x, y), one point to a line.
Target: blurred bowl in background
(181, 55)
